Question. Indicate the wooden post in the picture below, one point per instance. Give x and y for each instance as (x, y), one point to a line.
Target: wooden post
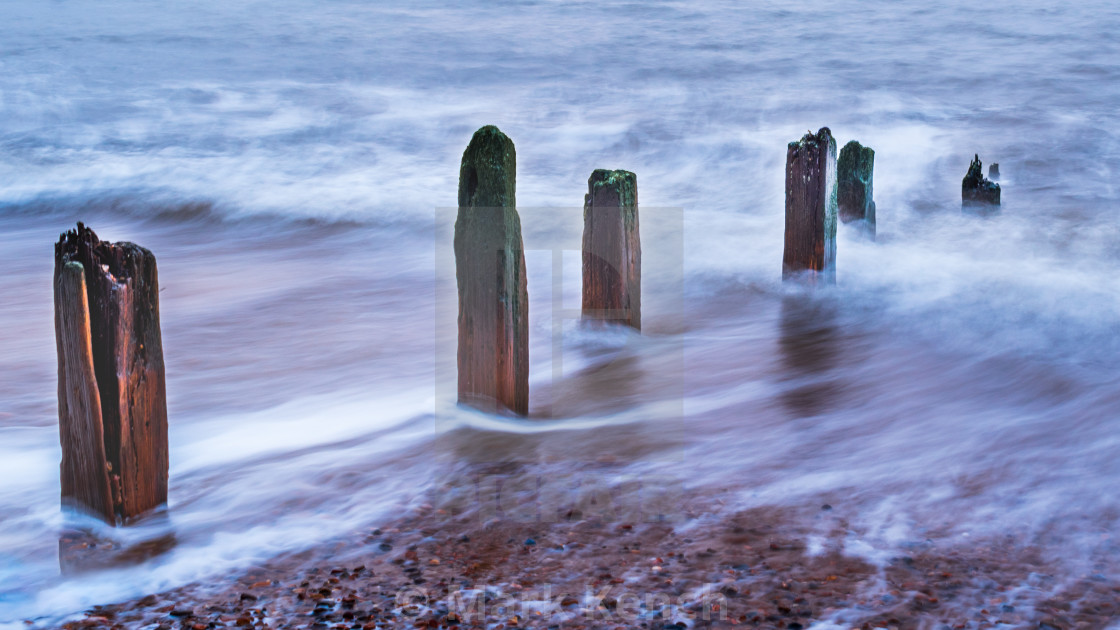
(112, 401)
(854, 174)
(810, 244)
(612, 250)
(493, 354)
(978, 192)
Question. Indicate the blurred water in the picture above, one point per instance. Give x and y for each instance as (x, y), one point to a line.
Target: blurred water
(285, 162)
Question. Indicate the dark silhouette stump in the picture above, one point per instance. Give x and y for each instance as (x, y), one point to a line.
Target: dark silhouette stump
(493, 355)
(854, 174)
(978, 192)
(810, 243)
(612, 250)
(112, 401)
(993, 171)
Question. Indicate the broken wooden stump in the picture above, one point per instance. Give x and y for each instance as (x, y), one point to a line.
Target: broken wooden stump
(810, 242)
(978, 192)
(854, 174)
(493, 353)
(112, 401)
(612, 250)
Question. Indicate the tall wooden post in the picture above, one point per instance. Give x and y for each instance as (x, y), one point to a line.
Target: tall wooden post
(855, 171)
(612, 250)
(978, 192)
(810, 243)
(112, 400)
(493, 354)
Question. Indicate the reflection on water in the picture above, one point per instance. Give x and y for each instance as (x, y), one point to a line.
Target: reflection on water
(86, 550)
(810, 340)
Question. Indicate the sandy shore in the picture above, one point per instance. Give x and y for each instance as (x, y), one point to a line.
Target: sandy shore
(763, 567)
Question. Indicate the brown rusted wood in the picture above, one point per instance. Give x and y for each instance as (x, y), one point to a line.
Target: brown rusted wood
(810, 240)
(493, 353)
(612, 251)
(122, 324)
(84, 471)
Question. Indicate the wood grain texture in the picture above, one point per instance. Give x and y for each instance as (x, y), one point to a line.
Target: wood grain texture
(810, 238)
(84, 469)
(612, 251)
(122, 293)
(493, 350)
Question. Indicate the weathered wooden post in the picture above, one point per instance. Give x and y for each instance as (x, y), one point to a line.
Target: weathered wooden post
(854, 174)
(810, 244)
(612, 250)
(112, 401)
(978, 192)
(493, 355)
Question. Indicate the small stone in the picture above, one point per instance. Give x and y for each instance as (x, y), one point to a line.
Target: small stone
(826, 507)
(530, 541)
(182, 612)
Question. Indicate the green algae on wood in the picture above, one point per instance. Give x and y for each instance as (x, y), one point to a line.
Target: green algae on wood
(112, 395)
(493, 350)
(978, 192)
(811, 201)
(612, 250)
(855, 171)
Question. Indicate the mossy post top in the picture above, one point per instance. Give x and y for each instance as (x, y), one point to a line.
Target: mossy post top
(625, 182)
(856, 161)
(975, 177)
(488, 173)
(977, 190)
(812, 141)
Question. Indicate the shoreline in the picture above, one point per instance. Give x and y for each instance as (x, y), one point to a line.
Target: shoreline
(767, 567)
